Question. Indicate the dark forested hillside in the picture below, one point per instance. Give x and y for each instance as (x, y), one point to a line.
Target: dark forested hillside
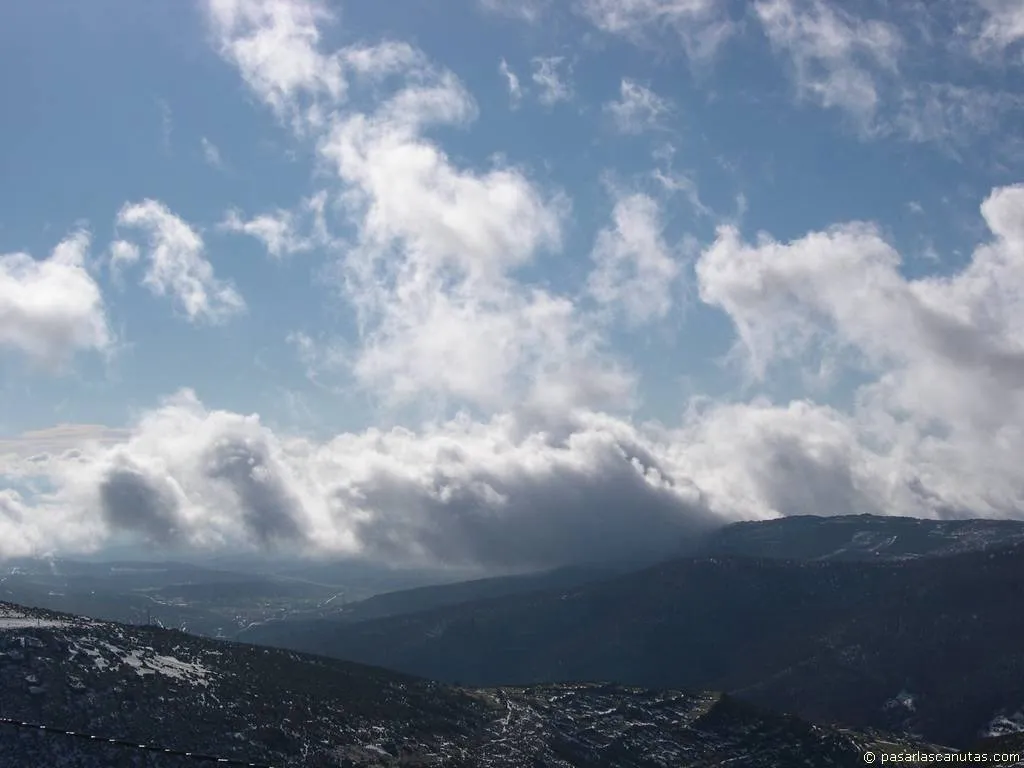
(162, 689)
(926, 644)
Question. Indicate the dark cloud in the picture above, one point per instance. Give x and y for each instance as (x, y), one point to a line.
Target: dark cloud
(269, 511)
(796, 483)
(566, 512)
(143, 504)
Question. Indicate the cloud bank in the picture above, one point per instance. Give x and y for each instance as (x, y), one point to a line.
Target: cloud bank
(545, 461)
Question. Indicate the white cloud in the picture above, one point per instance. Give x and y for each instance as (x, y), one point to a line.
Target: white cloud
(554, 85)
(701, 24)
(430, 273)
(835, 57)
(953, 115)
(123, 254)
(210, 153)
(284, 232)
(432, 276)
(674, 181)
(31, 529)
(275, 230)
(530, 11)
(274, 45)
(944, 409)
(1002, 25)
(515, 89)
(840, 61)
(759, 460)
(635, 268)
(177, 265)
(638, 109)
(52, 308)
(457, 492)
(375, 62)
(319, 358)
(936, 431)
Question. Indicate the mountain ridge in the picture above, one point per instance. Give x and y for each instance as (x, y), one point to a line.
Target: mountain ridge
(835, 640)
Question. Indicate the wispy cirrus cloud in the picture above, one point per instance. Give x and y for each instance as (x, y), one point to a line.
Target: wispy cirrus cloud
(176, 264)
(553, 78)
(638, 108)
(284, 232)
(834, 56)
(515, 88)
(702, 25)
(211, 154)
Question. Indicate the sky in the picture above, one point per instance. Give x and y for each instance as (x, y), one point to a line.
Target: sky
(505, 283)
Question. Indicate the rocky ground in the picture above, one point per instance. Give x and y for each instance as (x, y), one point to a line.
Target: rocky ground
(163, 688)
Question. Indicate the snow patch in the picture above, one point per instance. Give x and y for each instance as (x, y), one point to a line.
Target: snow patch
(144, 661)
(903, 699)
(11, 618)
(1005, 725)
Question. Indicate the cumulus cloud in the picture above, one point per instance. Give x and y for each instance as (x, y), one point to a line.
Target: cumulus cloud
(23, 533)
(274, 45)
(556, 470)
(935, 431)
(944, 400)
(177, 265)
(552, 79)
(432, 276)
(52, 308)
(635, 269)
(489, 493)
(638, 109)
(431, 271)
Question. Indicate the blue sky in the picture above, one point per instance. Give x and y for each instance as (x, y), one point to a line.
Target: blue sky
(422, 280)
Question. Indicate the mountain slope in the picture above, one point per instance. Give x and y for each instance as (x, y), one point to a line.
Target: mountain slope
(857, 537)
(850, 537)
(929, 645)
(154, 686)
(436, 596)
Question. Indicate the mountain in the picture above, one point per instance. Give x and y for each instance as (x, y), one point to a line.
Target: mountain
(928, 645)
(436, 596)
(849, 537)
(162, 693)
(856, 537)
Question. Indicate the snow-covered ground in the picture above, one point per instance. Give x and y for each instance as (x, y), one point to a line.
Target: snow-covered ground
(143, 659)
(11, 618)
(1006, 724)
